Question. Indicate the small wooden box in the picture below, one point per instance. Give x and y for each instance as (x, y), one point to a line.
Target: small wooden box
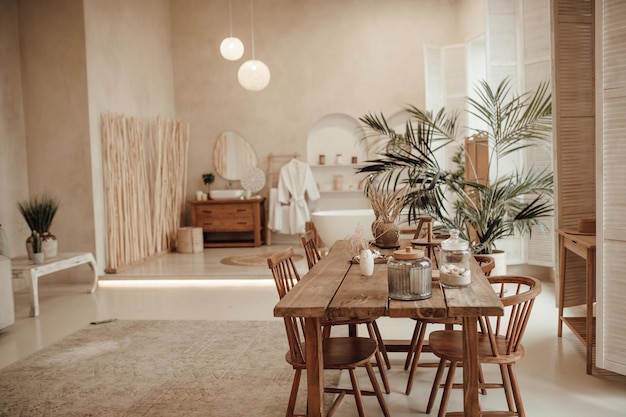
(189, 240)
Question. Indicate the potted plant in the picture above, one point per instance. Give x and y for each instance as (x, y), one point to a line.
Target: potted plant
(38, 255)
(387, 205)
(208, 179)
(484, 211)
(38, 212)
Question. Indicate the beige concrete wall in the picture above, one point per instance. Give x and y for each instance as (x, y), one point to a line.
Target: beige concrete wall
(325, 56)
(78, 58)
(470, 17)
(52, 51)
(13, 173)
(129, 67)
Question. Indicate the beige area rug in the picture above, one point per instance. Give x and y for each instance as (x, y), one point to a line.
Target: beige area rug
(253, 259)
(156, 368)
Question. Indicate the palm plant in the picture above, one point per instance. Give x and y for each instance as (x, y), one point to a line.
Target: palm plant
(484, 213)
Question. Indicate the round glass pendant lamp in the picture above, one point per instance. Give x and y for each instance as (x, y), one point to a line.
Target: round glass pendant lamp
(231, 48)
(253, 75)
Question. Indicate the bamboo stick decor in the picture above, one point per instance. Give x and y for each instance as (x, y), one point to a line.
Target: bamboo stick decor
(145, 177)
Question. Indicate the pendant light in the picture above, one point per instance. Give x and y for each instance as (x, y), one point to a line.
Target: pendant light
(231, 48)
(253, 75)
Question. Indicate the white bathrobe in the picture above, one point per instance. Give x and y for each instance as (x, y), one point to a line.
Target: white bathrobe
(294, 180)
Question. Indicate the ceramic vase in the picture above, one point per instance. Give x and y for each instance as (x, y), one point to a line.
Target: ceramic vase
(366, 262)
(387, 234)
(49, 245)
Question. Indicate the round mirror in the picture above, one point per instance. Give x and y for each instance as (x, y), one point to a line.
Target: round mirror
(233, 156)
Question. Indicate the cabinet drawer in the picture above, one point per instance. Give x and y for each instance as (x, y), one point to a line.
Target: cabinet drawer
(225, 218)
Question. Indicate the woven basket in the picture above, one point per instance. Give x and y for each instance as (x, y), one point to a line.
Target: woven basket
(189, 240)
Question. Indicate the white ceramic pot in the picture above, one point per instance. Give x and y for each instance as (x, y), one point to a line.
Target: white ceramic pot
(38, 258)
(499, 257)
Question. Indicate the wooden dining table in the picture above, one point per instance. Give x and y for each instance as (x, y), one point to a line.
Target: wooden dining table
(334, 288)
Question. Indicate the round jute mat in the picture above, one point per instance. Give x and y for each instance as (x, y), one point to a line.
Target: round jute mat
(258, 259)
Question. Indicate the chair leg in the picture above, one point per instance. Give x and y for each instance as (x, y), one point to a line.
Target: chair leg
(358, 399)
(381, 344)
(436, 383)
(447, 389)
(376, 386)
(411, 352)
(383, 372)
(326, 331)
(416, 356)
(481, 379)
(506, 384)
(516, 392)
(294, 393)
(379, 359)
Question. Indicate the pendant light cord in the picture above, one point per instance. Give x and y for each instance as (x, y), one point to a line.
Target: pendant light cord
(252, 27)
(230, 16)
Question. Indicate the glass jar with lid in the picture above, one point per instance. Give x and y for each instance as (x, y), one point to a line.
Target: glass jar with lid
(409, 275)
(455, 261)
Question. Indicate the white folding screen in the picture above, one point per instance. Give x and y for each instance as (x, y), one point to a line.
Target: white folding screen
(502, 42)
(517, 46)
(611, 154)
(536, 68)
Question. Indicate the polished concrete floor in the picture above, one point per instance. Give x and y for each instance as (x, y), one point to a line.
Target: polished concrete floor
(198, 287)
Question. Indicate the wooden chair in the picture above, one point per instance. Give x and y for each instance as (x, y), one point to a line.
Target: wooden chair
(339, 353)
(418, 342)
(499, 345)
(425, 239)
(310, 248)
(312, 257)
(486, 262)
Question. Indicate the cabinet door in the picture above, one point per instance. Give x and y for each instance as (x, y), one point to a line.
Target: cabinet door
(226, 218)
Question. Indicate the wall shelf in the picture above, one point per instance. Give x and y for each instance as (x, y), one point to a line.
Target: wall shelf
(340, 191)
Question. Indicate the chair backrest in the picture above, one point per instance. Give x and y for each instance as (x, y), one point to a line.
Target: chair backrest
(283, 270)
(286, 277)
(310, 248)
(487, 263)
(518, 295)
(424, 229)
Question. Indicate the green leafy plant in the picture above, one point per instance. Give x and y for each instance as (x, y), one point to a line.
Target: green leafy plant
(483, 212)
(208, 179)
(39, 211)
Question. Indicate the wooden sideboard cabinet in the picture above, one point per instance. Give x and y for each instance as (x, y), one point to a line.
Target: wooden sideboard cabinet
(227, 223)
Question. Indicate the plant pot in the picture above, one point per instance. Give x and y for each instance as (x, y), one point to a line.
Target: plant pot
(49, 245)
(387, 234)
(499, 257)
(38, 258)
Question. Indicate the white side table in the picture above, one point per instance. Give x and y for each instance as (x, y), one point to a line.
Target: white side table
(23, 267)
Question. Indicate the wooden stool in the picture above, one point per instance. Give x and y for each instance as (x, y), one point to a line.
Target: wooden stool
(424, 238)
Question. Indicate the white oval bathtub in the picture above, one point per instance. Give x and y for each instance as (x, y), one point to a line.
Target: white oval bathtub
(333, 225)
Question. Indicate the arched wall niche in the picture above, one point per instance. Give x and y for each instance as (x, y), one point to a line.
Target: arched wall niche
(334, 134)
